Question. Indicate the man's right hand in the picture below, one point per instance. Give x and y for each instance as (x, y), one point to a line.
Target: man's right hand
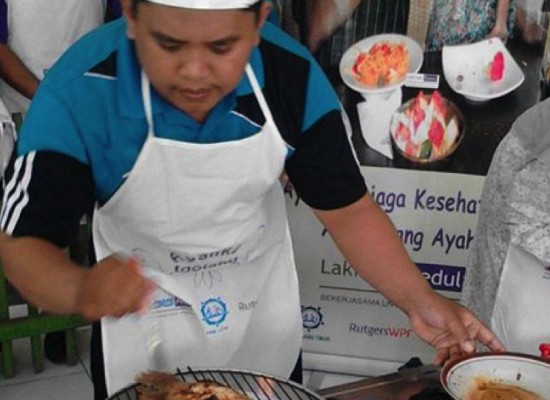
(114, 287)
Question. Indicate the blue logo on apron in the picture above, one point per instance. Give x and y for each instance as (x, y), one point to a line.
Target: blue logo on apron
(312, 318)
(214, 311)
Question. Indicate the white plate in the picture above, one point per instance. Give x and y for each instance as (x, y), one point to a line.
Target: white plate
(463, 67)
(525, 371)
(416, 57)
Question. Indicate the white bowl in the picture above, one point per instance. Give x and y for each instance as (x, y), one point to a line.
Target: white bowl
(416, 56)
(463, 67)
(521, 370)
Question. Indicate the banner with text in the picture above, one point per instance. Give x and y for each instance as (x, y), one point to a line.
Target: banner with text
(435, 215)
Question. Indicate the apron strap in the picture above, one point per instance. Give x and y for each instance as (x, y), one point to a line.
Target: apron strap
(147, 105)
(263, 103)
(259, 94)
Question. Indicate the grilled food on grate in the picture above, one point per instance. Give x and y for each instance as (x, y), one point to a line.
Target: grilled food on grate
(163, 386)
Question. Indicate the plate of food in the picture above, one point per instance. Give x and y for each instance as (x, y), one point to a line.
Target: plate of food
(380, 63)
(481, 71)
(427, 128)
(503, 376)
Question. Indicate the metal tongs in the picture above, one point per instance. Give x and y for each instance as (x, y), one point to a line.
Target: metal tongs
(153, 343)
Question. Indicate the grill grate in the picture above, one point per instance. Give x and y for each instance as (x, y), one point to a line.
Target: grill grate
(254, 385)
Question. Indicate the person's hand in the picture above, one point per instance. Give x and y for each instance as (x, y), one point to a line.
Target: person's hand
(500, 30)
(323, 17)
(450, 328)
(113, 287)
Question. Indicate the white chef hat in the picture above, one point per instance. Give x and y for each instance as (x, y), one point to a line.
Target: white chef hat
(207, 4)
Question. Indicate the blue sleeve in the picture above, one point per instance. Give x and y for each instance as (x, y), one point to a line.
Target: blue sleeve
(49, 126)
(3, 22)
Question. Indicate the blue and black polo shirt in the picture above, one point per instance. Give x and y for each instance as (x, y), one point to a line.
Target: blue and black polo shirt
(86, 126)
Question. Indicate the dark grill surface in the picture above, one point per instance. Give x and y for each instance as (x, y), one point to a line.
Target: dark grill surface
(412, 381)
(253, 385)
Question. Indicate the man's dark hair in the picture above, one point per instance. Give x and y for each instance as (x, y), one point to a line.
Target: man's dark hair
(254, 7)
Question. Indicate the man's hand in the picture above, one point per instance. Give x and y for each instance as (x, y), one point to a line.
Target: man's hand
(450, 328)
(113, 287)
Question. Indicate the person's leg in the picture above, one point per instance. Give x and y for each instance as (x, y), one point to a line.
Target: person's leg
(96, 363)
(297, 374)
(55, 347)
(55, 342)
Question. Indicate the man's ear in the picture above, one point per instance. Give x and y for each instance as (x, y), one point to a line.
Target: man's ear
(129, 15)
(263, 13)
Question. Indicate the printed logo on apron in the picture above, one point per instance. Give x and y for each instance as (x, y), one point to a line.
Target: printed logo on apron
(214, 312)
(228, 289)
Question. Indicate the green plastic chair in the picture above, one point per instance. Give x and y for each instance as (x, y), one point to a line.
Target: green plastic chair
(34, 326)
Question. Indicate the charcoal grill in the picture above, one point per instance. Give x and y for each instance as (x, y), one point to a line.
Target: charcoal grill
(254, 385)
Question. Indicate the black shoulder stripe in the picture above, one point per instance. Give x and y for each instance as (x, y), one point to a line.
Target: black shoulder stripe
(107, 67)
(249, 107)
(286, 77)
(15, 196)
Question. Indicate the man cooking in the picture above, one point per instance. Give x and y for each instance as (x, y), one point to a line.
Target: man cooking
(177, 123)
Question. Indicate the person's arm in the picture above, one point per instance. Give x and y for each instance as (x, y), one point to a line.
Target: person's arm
(59, 190)
(322, 18)
(500, 29)
(47, 278)
(368, 240)
(15, 73)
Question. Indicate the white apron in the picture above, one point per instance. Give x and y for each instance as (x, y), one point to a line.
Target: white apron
(521, 317)
(208, 223)
(40, 31)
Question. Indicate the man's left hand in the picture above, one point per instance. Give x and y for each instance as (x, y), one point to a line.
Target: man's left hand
(451, 329)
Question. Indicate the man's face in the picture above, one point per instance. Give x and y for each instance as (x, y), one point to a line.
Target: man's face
(193, 57)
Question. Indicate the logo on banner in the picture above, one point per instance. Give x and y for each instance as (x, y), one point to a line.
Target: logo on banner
(311, 318)
(443, 277)
(392, 332)
(214, 311)
(167, 303)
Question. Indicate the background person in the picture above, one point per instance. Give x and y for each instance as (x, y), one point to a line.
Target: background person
(177, 123)
(467, 21)
(508, 282)
(34, 33)
(329, 27)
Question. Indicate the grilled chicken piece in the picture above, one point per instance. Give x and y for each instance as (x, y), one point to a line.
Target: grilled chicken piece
(163, 386)
(156, 385)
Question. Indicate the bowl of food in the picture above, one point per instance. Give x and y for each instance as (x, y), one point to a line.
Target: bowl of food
(427, 128)
(481, 71)
(502, 376)
(379, 64)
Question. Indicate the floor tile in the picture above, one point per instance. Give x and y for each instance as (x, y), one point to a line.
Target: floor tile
(83, 337)
(56, 381)
(71, 386)
(24, 369)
